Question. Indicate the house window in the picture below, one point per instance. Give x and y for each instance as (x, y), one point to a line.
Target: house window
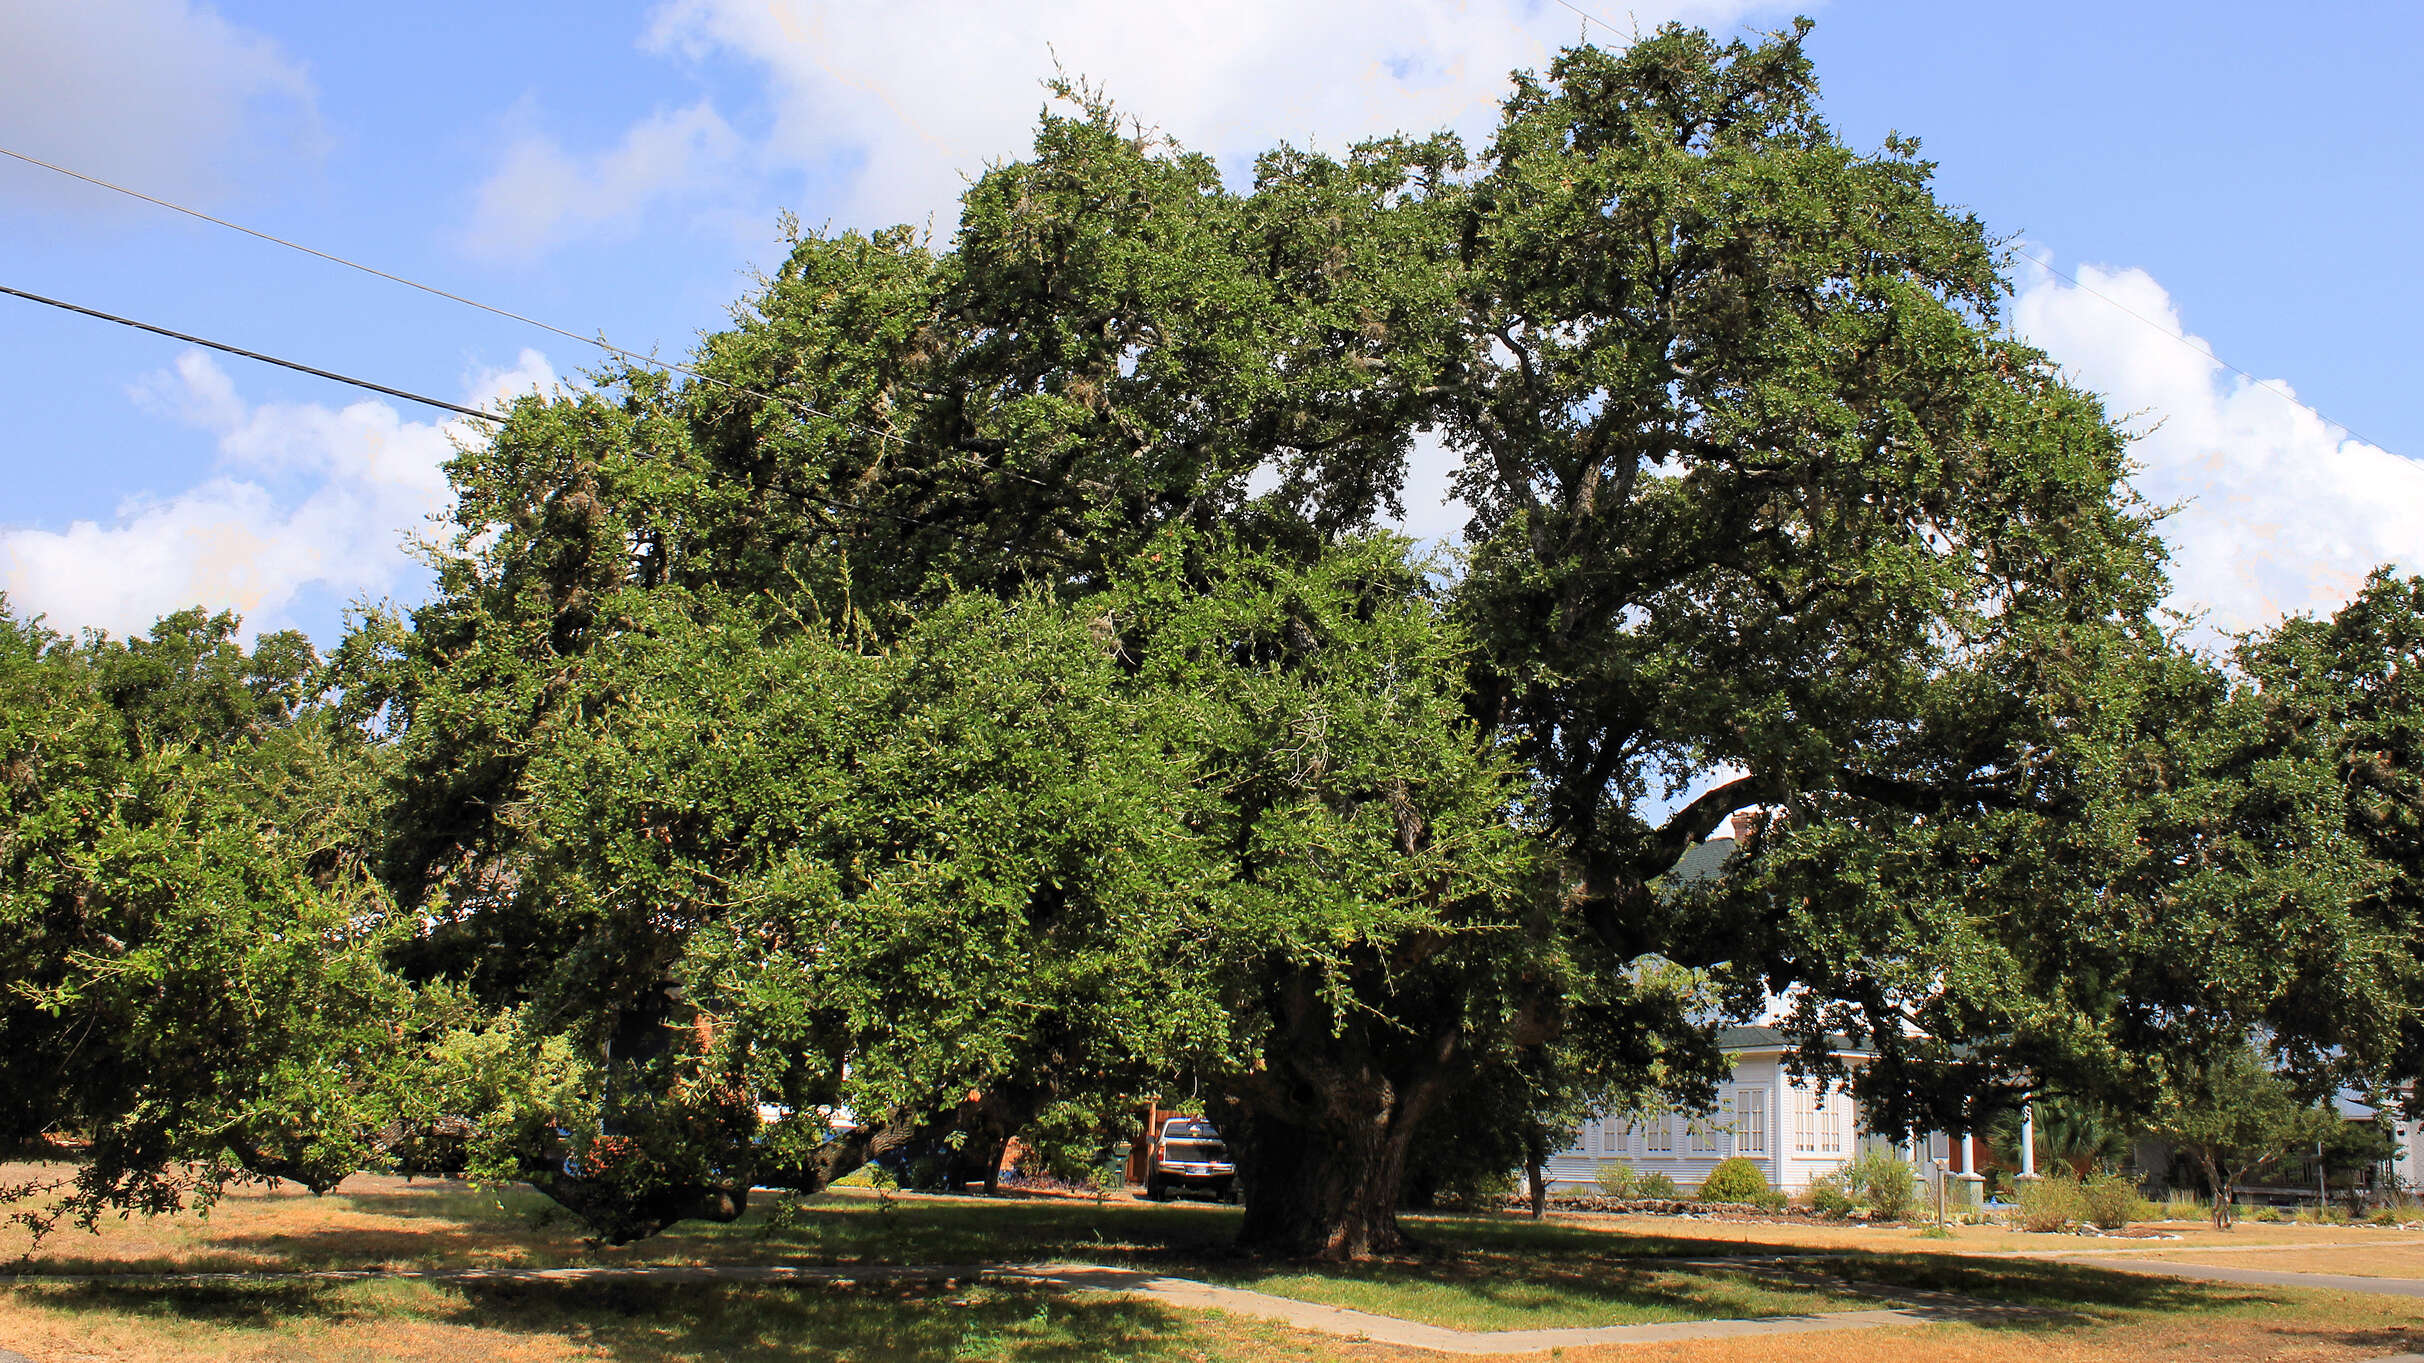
(1660, 1131)
(1750, 1121)
(1818, 1122)
(1707, 1134)
(1611, 1137)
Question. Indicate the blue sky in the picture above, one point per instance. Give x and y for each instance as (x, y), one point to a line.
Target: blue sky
(2232, 172)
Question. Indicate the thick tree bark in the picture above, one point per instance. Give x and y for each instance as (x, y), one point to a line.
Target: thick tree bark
(1327, 1191)
(1321, 1135)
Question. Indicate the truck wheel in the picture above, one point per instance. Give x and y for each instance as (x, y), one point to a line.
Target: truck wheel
(1155, 1189)
(1233, 1193)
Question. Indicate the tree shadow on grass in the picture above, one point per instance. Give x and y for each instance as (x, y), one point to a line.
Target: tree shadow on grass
(836, 1227)
(2056, 1293)
(652, 1322)
(646, 1322)
(1481, 1291)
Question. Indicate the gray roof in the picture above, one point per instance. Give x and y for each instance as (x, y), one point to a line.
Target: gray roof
(1774, 1039)
(1705, 860)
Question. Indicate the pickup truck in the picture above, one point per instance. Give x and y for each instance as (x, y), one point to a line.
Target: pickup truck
(1188, 1155)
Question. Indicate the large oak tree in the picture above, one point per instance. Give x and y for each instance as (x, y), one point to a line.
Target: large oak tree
(986, 686)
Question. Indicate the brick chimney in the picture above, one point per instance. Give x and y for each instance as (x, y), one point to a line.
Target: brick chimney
(1747, 822)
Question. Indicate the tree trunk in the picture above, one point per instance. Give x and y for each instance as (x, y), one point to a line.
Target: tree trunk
(1326, 1191)
(1321, 1134)
(1535, 1156)
(2223, 1188)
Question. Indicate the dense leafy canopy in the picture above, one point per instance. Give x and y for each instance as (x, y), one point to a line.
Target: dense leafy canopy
(192, 945)
(987, 693)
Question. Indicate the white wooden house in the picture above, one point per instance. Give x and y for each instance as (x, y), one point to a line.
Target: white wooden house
(1763, 1114)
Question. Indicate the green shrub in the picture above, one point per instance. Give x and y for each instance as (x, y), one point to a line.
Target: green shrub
(1831, 1196)
(1734, 1180)
(1477, 1190)
(1886, 1182)
(2384, 1216)
(1771, 1201)
(2112, 1202)
(2051, 1203)
(1618, 1180)
(1653, 1185)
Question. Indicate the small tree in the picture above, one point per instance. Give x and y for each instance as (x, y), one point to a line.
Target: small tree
(2351, 1150)
(2233, 1117)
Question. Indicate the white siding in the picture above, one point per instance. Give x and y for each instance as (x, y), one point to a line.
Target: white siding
(1762, 1113)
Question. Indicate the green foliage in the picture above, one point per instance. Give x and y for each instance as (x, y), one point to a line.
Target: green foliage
(2235, 1116)
(1655, 1184)
(2071, 1133)
(192, 941)
(2052, 1203)
(1617, 1179)
(1479, 1190)
(1830, 1195)
(2110, 1201)
(1734, 1180)
(1884, 1182)
(1023, 709)
(1073, 1140)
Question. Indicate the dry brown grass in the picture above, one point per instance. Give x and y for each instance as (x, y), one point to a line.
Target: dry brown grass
(2341, 1330)
(371, 1221)
(382, 1222)
(2175, 1236)
(2360, 1261)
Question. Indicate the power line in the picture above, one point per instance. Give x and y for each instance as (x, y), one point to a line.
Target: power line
(828, 502)
(2266, 384)
(862, 427)
(511, 316)
(1593, 18)
(250, 354)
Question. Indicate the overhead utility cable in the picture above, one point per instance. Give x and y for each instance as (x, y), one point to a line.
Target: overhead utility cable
(330, 374)
(511, 316)
(794, 403)
(250, 354)
(2266, 384)
(1593, 18)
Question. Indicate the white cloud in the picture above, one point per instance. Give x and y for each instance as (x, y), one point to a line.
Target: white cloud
(918, 95)
(163, 94)
(541, 193)
(307, 495)
(2283, 511)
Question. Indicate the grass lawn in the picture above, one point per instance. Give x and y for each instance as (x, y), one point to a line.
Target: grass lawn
(1476, 1273)
(543, 1323)
(2360, 1261)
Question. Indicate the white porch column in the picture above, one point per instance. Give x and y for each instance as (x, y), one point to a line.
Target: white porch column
(1968, 1159)
(2028, 1140)
(1780, 1124)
